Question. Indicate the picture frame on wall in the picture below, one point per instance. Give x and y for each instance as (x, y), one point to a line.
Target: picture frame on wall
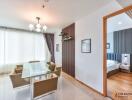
(108, 45)
(57, 47)
(86, 46)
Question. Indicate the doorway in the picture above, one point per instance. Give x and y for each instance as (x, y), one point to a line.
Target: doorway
(112, 55)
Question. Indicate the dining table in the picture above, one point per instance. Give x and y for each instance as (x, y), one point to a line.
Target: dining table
(35, 71)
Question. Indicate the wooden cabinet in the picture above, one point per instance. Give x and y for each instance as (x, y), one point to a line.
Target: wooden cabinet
(125, 68)
(68, 51)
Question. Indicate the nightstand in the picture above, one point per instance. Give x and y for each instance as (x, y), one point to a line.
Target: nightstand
(125, 68)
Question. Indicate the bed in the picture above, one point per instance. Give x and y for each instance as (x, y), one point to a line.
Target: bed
(113, 63)
(112, 67)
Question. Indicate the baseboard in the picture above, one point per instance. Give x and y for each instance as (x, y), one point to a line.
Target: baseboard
(90, 87)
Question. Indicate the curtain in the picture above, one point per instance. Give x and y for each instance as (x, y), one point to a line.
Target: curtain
(50, 43)
(17, 47)
(123, 41)
(2, 53)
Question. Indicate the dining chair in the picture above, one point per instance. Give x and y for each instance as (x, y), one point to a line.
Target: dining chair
(46, 86)
(51, 66)
(16, 77)
(58, 71)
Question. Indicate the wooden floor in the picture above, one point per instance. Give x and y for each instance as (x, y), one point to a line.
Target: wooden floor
(118, 85)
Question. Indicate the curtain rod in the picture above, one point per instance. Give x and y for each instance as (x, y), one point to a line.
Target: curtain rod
(4, 27)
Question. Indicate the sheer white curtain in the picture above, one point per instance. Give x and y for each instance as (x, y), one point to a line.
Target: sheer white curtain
(2, 46)
(17, 47)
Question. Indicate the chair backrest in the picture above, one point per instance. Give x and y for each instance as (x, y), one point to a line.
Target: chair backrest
(45, 86)
(18, 68)
(51, 66)
(58, 71)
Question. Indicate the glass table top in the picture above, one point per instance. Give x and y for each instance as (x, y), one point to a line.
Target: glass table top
(35, 69)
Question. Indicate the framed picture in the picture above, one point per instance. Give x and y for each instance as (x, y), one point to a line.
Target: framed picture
(86, 46)
(57, 47)
(108, 45)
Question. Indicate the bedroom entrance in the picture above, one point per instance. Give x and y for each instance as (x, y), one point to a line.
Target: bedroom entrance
(118, 54)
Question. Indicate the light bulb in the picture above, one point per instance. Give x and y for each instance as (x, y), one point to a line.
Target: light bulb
(119, 23)
(31, 26)
(38, 25)
(44, 27)
(38, 30)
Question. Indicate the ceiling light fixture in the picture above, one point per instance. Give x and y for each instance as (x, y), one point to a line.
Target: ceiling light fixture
(37, 27)
(119, 23)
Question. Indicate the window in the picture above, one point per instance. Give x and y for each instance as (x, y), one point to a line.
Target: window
(20, 46)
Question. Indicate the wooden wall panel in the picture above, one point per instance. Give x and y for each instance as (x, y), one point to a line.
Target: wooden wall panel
(68, 51)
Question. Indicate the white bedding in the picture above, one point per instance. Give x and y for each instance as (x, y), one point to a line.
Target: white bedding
(112, 65)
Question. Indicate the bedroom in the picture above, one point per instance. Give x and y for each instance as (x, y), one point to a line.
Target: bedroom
(119, 55)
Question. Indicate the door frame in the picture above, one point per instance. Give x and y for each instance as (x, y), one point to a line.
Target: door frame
(104, 44)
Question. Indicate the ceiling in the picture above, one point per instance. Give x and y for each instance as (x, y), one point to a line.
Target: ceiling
(119, 22)
(124, 3)
(57, 14)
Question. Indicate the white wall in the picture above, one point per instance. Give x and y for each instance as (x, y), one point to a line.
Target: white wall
(89, 66)
(110, 39)
(58, 55)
